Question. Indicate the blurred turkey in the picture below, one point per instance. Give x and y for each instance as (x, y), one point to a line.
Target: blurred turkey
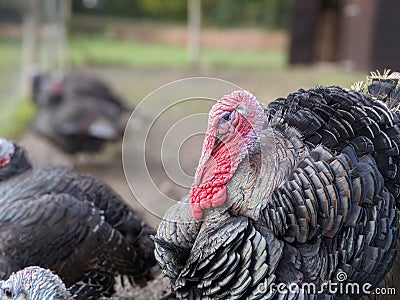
(70, 223)
(78, 112)
(34, 283)
(302, 192)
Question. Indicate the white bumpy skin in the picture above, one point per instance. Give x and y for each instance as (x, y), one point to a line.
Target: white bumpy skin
(34, 283)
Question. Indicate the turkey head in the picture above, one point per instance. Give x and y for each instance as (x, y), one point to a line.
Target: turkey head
(6, 152)
(13, 160)
(233, 127)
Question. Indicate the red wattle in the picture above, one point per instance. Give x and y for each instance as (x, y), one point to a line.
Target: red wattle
(4, 161)
(196, 211)
(211, 191)
(220, 197)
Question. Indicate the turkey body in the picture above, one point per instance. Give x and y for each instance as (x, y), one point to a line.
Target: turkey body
(307, 198)
(78, 112)
(72, 224)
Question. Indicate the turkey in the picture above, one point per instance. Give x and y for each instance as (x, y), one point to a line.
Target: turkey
(34, 283)
(77, 112)
(290, 200)
(70, 223)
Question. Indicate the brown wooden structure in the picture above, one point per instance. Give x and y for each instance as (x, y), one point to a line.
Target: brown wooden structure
(360, 34)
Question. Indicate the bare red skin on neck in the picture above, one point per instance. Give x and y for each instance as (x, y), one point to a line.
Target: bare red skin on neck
(4, 161)
(218, 162)
(218, 169)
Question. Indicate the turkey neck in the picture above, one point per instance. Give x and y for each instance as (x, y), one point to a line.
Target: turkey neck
(274, 156)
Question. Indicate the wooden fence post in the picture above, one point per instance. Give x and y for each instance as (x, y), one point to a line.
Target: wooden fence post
(194, 31)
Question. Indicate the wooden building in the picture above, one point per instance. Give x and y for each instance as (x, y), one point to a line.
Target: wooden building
(360, 34)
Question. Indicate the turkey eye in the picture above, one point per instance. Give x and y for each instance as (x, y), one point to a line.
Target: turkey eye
(8, 293)
(226, 115)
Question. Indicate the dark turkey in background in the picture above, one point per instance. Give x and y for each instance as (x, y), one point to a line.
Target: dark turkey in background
(77, 112)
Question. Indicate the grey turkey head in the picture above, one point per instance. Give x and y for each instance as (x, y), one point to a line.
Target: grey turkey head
(34, 283)
(7, 150)
(13, 160)
(47, 89)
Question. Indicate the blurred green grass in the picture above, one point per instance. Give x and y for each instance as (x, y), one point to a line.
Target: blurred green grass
(10, 52)
(15, 111)
(103, 50)
(15, 119)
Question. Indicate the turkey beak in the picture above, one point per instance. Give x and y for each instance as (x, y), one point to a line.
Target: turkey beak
(218, 140)
(209, 143)
(223, 127)
(222, 130)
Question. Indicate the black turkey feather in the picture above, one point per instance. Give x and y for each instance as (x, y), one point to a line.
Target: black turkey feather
(70, 223)
(300, 194)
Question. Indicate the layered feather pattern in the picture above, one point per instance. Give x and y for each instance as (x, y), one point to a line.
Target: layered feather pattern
(312, 203)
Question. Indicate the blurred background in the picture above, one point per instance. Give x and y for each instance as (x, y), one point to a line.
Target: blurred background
(270, 47)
